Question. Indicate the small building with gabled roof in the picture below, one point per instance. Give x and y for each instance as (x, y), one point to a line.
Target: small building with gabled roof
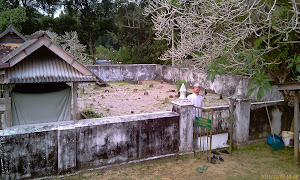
(10, 39)
(11, 35)
(39, 79)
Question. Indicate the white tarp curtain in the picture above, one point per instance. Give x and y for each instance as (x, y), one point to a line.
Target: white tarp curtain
(41, 107)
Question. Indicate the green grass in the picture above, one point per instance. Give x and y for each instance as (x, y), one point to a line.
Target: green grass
(250, 162)
(265, 161)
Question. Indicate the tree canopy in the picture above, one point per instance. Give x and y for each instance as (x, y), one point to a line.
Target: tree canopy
(18, 15)
(256, 38)
(252, 38)
(97, 22)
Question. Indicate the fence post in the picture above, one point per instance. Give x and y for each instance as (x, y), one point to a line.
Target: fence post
(185, 110)
(241, 116)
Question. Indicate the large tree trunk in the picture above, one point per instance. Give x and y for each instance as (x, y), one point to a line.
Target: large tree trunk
(284, 77)
(90, 46)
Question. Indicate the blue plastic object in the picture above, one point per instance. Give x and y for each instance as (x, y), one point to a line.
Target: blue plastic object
(270, 140)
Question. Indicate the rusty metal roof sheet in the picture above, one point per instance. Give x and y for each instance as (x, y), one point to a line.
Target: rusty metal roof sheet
(18, 50)
(6, 48)
(44, 69)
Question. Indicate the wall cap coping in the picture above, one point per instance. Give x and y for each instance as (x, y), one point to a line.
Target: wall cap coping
(182, 102)
(257, 105)
(69, 125)
(217, 107)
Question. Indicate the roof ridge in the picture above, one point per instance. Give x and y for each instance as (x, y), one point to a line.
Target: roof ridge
(38, 34)
(12, 29)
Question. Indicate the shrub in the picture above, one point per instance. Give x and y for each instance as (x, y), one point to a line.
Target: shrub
(91, 114)
(103, 53)
(179, 83)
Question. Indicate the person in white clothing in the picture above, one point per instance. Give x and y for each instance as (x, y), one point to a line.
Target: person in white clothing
(197, 100)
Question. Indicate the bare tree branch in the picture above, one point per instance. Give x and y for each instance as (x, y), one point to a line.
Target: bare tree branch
(209, 29)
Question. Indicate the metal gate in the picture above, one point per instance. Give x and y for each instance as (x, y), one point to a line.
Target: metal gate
(203, 133)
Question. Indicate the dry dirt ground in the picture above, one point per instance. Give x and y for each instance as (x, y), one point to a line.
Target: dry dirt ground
(121, 98)
(253, 162)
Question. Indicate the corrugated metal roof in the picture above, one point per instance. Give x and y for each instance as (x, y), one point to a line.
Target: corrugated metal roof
(43, 62)
(43, 69)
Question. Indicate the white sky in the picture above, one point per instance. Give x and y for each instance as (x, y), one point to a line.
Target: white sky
(58, 12)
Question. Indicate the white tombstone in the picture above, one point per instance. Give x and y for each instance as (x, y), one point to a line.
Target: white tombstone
(182, 92)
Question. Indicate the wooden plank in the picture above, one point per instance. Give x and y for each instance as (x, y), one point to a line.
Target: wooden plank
(231, 110)
(17, 58)
(8, 121)
(296, 128)
(2, 108)
(289, 86)
(101, 84)
(84, 116)
(2, 100)
(75, 110)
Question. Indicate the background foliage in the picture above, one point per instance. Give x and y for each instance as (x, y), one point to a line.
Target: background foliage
(257, 39)
(110, 30)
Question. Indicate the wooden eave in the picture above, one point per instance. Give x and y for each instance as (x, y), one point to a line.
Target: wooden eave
(289, 86)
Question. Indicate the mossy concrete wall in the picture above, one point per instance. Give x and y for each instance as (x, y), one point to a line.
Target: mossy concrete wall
(225, 84)
(39, 150)
(124, 72)
(281, 117)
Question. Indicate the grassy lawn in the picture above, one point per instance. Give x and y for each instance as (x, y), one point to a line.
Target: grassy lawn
(253, 162)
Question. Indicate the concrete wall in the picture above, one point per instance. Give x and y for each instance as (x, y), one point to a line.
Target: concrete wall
(225, 84)
(39, 150)
(221, 118)
(281, 117)
(135, 72)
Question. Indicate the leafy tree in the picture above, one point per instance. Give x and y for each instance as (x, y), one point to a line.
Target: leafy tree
(134, 27)
(124, 55)
(136, 34)
(109, 40)
(257, 39)
(148, 53)
(103, 53)
(49, 7)
(34, 11)
(63, 23)
(4, 5)
(94, 19)
(18, 16)
(111, 24)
